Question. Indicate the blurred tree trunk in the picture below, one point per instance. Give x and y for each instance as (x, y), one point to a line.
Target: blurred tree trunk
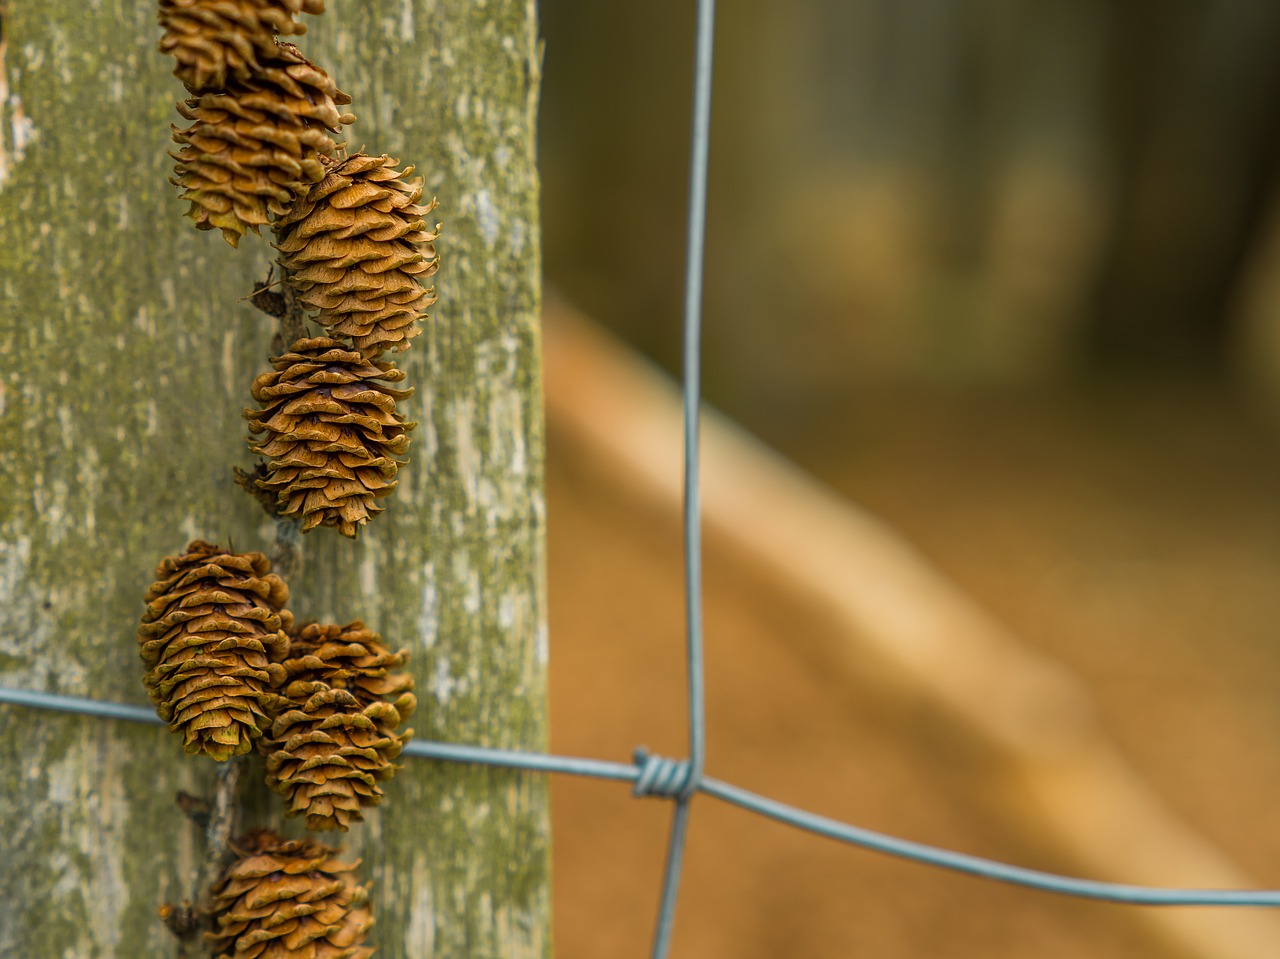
(1255, 346)
(127, 355)
(920, 193)
(1194, 123)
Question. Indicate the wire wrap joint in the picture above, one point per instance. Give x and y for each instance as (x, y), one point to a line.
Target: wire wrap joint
(662, 777)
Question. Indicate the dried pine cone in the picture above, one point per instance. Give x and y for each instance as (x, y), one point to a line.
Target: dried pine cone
(333, 738)
(253, 149)
(289, 899)
(216, 41)
(332, 433)
(358, 250)
(212, 638)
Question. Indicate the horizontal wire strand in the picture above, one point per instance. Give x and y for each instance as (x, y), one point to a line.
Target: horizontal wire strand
(734, 795)
(985, 868)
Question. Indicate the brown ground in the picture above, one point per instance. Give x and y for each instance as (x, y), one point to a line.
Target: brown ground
(1138, 541)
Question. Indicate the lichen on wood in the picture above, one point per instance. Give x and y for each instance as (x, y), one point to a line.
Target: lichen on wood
(125, 359)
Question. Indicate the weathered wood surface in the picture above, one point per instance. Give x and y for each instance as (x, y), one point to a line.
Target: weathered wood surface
(125, 359)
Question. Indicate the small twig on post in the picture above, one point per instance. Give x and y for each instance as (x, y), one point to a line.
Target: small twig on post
(182, 919)
(218, 818)
(293, 322)
(223, 814)
(284, 306)
(286, 555)
(194, 808)
(266, 299)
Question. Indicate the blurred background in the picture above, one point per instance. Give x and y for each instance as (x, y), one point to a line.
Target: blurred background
(1007, 275)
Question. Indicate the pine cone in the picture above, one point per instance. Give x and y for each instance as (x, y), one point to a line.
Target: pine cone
(212, 638)
(289, 899)
(333, 739)
(253, 149)
(333, 433)
(216, 41)
(358, 250)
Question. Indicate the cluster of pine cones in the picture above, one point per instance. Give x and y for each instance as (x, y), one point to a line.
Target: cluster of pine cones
(354, 248)
(227, 669)
(262, 114)
(226, 666)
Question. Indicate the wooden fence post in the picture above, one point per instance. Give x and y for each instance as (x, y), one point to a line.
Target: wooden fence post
(125, 359)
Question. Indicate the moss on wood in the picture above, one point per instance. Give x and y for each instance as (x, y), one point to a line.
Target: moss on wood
(125, 360)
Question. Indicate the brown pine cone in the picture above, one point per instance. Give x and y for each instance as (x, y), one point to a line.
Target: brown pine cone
(216, 41)
(332, 433)
(334, 736)
(357, 250)
(212, 638)
(255, 148)
(350, 657)
(289, 899)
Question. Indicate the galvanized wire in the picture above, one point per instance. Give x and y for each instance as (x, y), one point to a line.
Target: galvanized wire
(694, 245)
(666, 778)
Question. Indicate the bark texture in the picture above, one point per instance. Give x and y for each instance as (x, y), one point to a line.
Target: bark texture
(125, 360)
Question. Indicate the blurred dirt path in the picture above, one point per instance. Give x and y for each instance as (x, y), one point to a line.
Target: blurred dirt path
(788, 724)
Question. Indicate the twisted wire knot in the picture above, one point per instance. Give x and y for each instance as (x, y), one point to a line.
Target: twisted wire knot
(659, 776)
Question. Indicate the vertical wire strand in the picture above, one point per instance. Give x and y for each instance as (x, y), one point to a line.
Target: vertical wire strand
(671, 881)
(693, 389)
(699, 149)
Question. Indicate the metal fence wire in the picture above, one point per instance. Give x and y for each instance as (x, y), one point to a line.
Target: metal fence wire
(679, 780)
